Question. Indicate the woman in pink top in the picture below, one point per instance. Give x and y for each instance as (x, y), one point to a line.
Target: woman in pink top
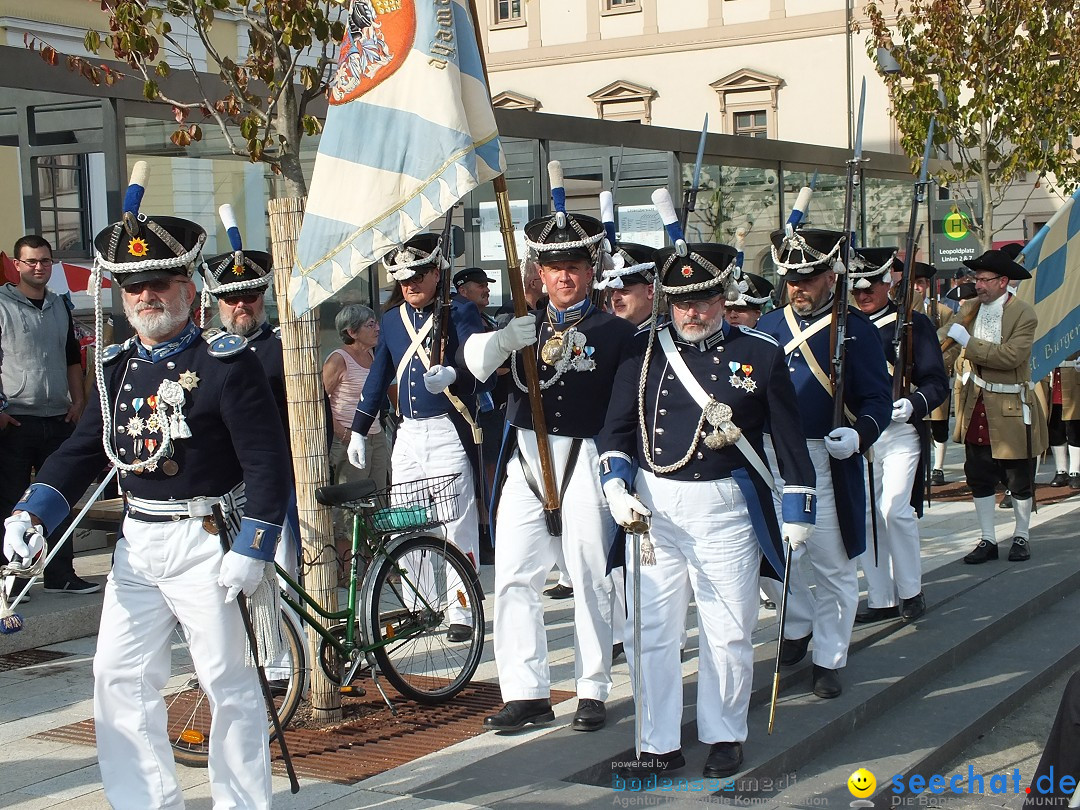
(343, 374)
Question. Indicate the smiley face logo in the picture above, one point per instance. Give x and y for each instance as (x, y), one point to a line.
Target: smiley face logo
(861, 783)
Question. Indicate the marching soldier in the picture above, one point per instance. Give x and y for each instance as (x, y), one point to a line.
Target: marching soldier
(694, 460)
(438, 434)
(746, 309)
(578, 346)
(190, 424)
(808, 263)
(998, 419)
(893, 567)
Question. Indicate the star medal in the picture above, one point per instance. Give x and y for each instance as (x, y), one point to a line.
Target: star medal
(552, 350)
(189, 380)
(153, 424)
(718, 414)
(135, 426)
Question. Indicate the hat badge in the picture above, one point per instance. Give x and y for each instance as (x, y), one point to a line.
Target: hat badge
(687, 271)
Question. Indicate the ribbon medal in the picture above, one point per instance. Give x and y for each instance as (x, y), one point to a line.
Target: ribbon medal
(745, 383)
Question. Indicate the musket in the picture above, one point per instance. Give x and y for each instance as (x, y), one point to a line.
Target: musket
(690, 197)
(440, 327)
(902, 340)
(838, 332)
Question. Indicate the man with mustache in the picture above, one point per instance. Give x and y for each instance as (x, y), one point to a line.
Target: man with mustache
(684, 431)
(809, 260)
(191, 425)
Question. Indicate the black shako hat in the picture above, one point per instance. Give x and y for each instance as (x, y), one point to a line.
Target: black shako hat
(253, 271)
(870, 265)
(145, 248)
(807, 252)
(706, 270)
(633, 264)
(758, 291)
(579, 238)
(417, 256)
(998, 261)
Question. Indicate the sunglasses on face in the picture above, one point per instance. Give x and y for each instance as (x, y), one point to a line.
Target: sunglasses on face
(245, 298)
(158, 285)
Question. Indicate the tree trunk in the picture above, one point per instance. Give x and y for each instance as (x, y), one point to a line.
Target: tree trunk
(288, 129)
(307, 429)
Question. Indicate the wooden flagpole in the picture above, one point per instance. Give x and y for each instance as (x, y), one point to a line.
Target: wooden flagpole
(517, 292)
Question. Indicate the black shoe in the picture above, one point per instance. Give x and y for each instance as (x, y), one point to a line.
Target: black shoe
(867, 615)
(559, 591)
(913, 608)
(826, 683)
(1019, 551)
(1074, 480)
(590, 715)
(793, 650)
(982, 552)
(1060, 479)
(459, 632)
(616, 650)
(768, 604)
(937, 478)
(1006, 502)
(517, 714)
(725, 758)
(73, 585)
(650, 763)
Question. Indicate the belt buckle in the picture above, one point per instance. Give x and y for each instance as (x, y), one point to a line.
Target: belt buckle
(200, 507)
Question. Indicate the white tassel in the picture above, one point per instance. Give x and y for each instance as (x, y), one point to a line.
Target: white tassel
(264, 606)
(648, 553)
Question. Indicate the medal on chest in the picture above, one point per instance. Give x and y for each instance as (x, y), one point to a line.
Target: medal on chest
(552, 350)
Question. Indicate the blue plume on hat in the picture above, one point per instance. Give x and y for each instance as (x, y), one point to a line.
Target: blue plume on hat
(136, 187)
(558, 192)
(607, 216)
(661, 200)
(228, 219)
(802, 203)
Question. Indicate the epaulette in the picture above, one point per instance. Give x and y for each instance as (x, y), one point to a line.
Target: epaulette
(277, 332)
(748, 330)
(224, 344)
(113, 351)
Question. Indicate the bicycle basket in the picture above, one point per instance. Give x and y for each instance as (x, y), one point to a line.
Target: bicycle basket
(412, 505)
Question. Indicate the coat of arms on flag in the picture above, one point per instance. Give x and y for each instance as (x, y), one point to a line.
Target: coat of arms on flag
(409, 132)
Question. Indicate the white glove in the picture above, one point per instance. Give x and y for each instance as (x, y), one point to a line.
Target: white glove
(902, 410)
(240, 573)
(357, 451)
(625, 508)
(796, 534)
(843, 442)
(438, 378)
(517, 334)
(22, 539)
(958, 333)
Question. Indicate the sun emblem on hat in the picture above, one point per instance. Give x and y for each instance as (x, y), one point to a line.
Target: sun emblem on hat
(238, 269)
(687, 271)
(138, 247)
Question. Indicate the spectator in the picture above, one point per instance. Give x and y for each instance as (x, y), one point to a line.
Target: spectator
(41, 390)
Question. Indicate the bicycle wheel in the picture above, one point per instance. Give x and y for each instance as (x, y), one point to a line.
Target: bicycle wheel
(421, 588)
(188, 707)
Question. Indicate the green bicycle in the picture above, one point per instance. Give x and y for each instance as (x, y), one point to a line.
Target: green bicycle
(414, 615)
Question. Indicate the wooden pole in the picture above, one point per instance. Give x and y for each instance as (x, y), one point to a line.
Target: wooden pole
(307, 434)
(521, 307)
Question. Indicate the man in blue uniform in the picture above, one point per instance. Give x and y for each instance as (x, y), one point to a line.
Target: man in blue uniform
(578, 347)
(438, 434)
(808, 261)
(190, 425)
(693, 454)
(892, 566)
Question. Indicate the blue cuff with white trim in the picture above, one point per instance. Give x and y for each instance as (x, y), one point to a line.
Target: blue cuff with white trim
(257, 539)
(616, 465)
(46, 504)
(799, 505)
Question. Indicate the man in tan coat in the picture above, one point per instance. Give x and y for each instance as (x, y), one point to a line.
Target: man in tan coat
(998, 419)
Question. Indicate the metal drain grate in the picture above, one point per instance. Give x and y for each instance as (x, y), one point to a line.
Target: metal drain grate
(29, 658)
(370, 740)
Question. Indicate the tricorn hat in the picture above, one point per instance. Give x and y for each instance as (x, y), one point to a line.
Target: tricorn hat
(238, 270)
(807, 251)
(870, 265)
(998, 261)
(919, 270)
(706, 268)
(631, 264)
(757, 293)
(143, 248)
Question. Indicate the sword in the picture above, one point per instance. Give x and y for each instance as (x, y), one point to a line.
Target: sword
(241, 602)
(637, 528)
(780, 639)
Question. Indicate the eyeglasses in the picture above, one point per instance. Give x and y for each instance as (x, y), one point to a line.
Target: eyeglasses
(36, 262)
(986, 279)
(242, 298)
(698, 304)
(157, 285)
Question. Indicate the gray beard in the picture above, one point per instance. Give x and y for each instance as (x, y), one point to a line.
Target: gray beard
(155, 325)
(701, 332)
(234, 324)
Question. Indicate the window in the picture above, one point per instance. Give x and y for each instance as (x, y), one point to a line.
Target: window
(62, 194)
(624, 101)
(620, 6)
(751, 124)
(507, 11)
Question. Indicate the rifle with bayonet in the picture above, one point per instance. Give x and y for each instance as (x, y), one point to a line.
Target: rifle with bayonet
(902, 333)
(440, 327)
(690, 195)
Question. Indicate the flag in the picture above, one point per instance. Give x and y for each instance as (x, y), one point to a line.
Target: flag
(1053, 259)
(409, 132)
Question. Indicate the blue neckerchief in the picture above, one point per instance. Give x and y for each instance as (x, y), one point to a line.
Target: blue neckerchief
(562, 318)
(162, 350)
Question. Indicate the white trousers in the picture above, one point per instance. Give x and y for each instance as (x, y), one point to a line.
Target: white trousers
(524, 554)
(896, 573)
(705, 544)
(429, 447)
(828, 612)
(163, 573)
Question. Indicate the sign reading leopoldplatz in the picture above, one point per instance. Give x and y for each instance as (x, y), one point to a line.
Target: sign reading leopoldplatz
(953, 240)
